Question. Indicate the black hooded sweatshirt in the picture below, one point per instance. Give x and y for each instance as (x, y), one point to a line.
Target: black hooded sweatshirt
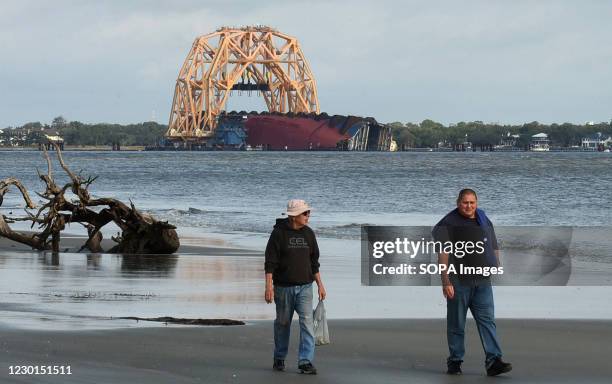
(292, 255)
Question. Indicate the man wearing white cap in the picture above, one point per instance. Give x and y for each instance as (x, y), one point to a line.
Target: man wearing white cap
(291, 265)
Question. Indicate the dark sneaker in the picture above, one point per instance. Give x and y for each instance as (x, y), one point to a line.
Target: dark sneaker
(307, 369)
(279, 365)
(454, 368)
(498, 367)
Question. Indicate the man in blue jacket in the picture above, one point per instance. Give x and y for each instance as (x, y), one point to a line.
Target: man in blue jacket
(291, 265)
(467, 223)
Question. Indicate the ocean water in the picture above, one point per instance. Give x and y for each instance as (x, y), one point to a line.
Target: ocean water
(234, 198)
(245, 191)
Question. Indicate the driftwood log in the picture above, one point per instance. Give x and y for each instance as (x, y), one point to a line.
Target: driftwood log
(140, 232)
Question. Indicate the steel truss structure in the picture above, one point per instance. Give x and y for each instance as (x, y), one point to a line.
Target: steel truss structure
(248, 59)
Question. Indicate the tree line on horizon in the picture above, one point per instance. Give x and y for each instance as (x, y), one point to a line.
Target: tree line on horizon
(78, 133)
(426, 134)
(429, 134)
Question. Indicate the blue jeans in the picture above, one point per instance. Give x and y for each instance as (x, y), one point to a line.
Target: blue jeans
(296, 298)
(479, 299)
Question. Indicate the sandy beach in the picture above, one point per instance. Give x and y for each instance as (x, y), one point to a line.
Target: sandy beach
(362, 351)
(100, 350)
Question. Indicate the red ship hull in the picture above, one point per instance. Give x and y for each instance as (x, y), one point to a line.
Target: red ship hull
(292, 133)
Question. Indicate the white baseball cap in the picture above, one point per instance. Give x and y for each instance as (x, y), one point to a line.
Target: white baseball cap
(297, 207)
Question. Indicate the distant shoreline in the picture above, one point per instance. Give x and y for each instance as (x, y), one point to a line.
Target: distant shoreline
(419, 150)
(78, 148)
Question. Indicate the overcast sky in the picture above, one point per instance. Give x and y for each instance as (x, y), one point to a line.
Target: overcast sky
(496, 61)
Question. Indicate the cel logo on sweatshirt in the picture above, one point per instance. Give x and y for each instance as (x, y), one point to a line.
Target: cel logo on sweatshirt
(297, 242)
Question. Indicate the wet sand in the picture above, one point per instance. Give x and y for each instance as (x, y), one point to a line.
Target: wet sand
(216, 276)
(362, 351)
(202, 246)
(208, 278)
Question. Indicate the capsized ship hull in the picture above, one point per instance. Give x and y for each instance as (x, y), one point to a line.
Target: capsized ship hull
(315, 132)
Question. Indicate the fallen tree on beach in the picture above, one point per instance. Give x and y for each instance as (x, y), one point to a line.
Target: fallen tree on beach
(140, 233)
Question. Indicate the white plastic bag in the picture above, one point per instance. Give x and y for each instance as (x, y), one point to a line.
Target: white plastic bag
(321, 332)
